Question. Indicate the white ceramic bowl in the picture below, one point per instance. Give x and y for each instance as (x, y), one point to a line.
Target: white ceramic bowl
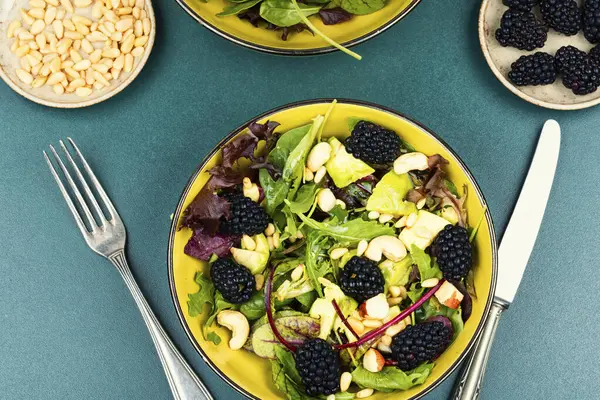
(9, 63)
(555, 96)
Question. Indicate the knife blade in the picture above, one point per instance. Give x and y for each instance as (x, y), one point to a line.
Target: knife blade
(513, 255)
(524, 225)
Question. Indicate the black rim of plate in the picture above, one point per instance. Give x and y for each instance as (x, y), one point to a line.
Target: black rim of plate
(424, 129)
(289, 52)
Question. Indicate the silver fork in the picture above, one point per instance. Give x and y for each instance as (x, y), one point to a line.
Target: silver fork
(107, 238)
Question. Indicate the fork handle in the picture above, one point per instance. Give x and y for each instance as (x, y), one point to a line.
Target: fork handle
(184, 383)
(468, 384)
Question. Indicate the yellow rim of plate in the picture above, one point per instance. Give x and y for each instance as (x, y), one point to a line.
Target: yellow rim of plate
(452, 356)
(245, 34)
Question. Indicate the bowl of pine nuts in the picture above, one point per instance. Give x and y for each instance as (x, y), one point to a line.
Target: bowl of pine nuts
(74, 53)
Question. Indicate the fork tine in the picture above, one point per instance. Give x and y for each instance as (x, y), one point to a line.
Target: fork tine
(67, 197)
(86, 187)
(78, 196)
(96, 183)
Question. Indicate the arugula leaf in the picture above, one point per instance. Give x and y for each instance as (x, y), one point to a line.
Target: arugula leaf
(391, 378)
(294, 165)
(214, 337)
(451, 187)
(477, 226)
(352, 231)
(317, 262)
(423, 262)
(285, 375)
(220, 305)
(205, 295)
(275, 191)
(282, 13)
(304, 198)
(286, 143)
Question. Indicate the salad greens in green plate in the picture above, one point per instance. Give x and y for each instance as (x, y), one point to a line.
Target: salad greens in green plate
(345, 262)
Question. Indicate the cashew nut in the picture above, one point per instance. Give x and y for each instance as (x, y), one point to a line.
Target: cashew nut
(411, 161)
(318, 156)
(251, 190)
(237, 323)
(326, 200)
(389, 246)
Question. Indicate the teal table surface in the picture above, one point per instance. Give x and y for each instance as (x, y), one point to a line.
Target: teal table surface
(70, 330)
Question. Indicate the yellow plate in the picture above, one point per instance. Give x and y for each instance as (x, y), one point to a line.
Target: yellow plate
(251, 375)
(357, 30)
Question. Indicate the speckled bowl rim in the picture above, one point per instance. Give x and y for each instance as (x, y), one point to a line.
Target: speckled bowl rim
(291, 52)
(427, 131)
(509, 85)
(113, 92)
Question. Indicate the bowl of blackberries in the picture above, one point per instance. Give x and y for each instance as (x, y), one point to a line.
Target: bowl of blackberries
(545, 51)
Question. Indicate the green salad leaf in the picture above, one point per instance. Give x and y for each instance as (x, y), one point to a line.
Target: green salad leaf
(391, 378)
(237, 8)
(275, 190)
(362, 7)
(282, 12)
(317, 263)
(305, 197)
(433, 308)
(255, 307)
(427, 269)
(295, 329)
(214, 337)
(285, 375)
(286, 143)
(205, 295)
(389, 193)
(220, 305)
(349, 232)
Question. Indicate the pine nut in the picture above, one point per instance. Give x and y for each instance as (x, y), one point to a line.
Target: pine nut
(50, 15)
(111, 53)
(260, 281)
(383, 218)
(107, 61)
(270, 230)
(25, 36)
(75, 56)
(25, 64)
(82, 65)
(297, 273)
(22, 51)
(96, 56)
(124, 11)
(97, 10)
(59, 29)
(35, 70)
(141, 41)
(111, 16)
(53, 3)
(429, 283)
(308, 174)
(67, 64)
(146, 24)
(363, 394)
(395, 329)
(73, 35)
(124, 24)
(38, 82)
(87, 46)
(373, 215)
(96, 36)
(326, 200)
(411, 220)
(14, 46)
(401, 222)
(58, 89)
(24, 76)
(270, 242)
(421, 203)
(77, 83)
(37, 4)
(115, 3)
(98, 86)
(89, 77)
(28, 19)
(82, 3)
(358, 326)
(77, 45)
(320, 174)
(372, 323)
(138, 28)
(136, 12)
(37, 13)
(330, 397)
(394, 291)
(67, 5)
(12, 27)
(78, 19)
(115, 73)
(41, 41)
(81, 28)
(387, 340)
(32, 60)
(128, 43)
(55, 65)
(139, 4)
(72, 73)
(45, 70)
(83, 91)
(362, 246)
(33, 45)
(338, 253)
(248, 243)
(117, 36)
(384, 348)
(60, 13)
(120, 63)
(345, 381)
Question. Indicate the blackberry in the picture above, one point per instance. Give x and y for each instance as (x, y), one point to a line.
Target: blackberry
(568, 58)
(523, 5)
(420, 343)
(361, 279)
(453, 251)
(584, 78)
(562, 15)
(535, 69)
(319, 367)
(594, 54)
(247, 217)
(591, 20)
(234, 281)
(522, 30)
(373, 144)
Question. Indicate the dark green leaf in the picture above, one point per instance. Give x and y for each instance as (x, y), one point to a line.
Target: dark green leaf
(350, 232)
(305, 198)
(391, 378)
(282, 12)
(255, 307)
(451, 187)
(205, 295)
(423, 261)
(213, 337)
(275, 191)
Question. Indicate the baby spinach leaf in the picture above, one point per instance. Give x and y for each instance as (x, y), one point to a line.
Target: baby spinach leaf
(286, 143)
(391, 378)
(305, 198)
(255, 307)
(235, 9)
(275, 191)
(294, 165)
(423, 261)
(283, 14)
(361, 7)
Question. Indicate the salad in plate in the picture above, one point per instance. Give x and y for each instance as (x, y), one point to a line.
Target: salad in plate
(347, 263)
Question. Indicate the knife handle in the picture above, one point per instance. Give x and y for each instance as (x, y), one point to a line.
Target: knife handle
(468, 384)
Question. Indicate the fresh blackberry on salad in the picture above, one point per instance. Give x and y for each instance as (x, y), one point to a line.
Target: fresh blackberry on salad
(319, 367)
(591, 20)
(420, 343)
(535, 69)
(232, 280)
(563, 16)
(373, 144)
(246, 216)
(318, 255)
(454, 252)
(361, 279)
(522, 5)
(522, 30)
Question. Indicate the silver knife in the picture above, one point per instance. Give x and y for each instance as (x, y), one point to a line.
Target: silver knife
(513, 254)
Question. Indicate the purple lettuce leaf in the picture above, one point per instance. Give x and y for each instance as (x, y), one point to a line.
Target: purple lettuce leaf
(205, 210)
(332, 16)
(202, 245)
